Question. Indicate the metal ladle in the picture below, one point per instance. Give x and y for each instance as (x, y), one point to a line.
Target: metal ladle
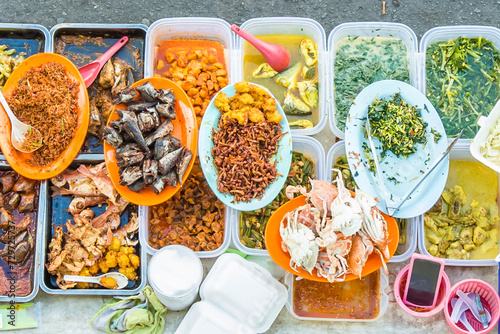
(20, 130)
(121, 280)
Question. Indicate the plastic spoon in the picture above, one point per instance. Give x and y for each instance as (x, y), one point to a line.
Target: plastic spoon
(461, 314)
(90, 71)
(20, 130)
(121, 280)
(276, 55)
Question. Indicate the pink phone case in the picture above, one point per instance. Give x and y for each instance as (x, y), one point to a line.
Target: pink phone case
(438, 285)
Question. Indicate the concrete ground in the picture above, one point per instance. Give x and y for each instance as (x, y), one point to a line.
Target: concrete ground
(420, 15)
(65, 314)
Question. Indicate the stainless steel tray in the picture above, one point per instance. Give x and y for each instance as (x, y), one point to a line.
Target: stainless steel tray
(45, 278)
(83, 54)
(40, 216)
(29, 38)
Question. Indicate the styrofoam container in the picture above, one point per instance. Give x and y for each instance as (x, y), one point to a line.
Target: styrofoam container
(486, 124)
(303, 144)
(451, 32)
(383, 300)
(237, 296)
(175, 274)
(337, 151)
(460, 152)
(188, 28)
(145, 214)
(291, 26)
(369, 29)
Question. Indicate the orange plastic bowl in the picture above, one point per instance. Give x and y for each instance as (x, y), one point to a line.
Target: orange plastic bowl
(185, 128)
(282, 258)
(18, 160)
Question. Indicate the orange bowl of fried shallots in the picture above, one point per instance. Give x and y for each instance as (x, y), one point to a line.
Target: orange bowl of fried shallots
(331, 234)
(56, 103)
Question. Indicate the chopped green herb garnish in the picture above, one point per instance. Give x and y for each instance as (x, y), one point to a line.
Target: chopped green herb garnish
(397, 125)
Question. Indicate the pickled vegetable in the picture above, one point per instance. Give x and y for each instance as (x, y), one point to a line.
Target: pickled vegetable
(463, 225)
(295, 88)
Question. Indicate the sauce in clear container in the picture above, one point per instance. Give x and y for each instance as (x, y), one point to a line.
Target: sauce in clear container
(356, 299)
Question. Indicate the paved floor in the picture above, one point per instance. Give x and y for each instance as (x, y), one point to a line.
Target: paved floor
(420, 15)
(72, 314)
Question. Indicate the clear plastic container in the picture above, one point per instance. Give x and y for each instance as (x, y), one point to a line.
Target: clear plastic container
(337, 151)
(487, 124)
(291, 26)
(451, 32)
(145, 214)
(369, 29)
(306, 145)
(383, 298)
(188, 28)
(237, 296)
(460, 152)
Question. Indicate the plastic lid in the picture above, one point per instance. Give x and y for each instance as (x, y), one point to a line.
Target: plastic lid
(245, 291)
(175, 271)
(205, 318)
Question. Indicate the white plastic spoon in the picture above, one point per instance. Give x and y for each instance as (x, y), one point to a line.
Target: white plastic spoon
(121, 280)
(19, 131)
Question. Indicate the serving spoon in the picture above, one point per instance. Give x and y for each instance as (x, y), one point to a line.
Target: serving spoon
(275, 55)
(20, 131)
(90, 71)
(121, 280)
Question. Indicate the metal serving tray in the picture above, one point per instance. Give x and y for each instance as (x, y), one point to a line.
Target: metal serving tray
(29, 38)
(40, 216)
(85, 53)
(55, 215)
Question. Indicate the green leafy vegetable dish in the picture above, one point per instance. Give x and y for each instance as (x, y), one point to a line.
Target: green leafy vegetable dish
(361, 61)
(463, 82)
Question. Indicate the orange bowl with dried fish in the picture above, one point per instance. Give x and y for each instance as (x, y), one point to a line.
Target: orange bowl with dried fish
(41, 164)
(150, 141)
(321, 238)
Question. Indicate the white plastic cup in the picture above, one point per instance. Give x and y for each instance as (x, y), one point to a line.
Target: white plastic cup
(175, 274)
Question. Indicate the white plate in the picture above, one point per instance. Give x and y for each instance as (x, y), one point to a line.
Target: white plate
(406, 171)
(205, 144)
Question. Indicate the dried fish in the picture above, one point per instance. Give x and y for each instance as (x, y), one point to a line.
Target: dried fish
(137, 106)
(168, 161)
(147, 91)
(129, 175)
(112, 137)
(183, 163)
(166, 110)
(124, 96)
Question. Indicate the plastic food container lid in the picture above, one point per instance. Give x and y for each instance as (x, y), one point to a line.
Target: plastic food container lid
(245, 291)
(205, 318)
(175, 271)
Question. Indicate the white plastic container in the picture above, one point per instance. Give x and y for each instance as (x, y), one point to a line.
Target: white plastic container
(460, 152)
(369, 29)
(486, 124)
(451, 32)
(175, 274)
(291, 26)
(303, 144)
(337, 151)
(237, 296)
(383, 298)
(145, 214)
(188, 28)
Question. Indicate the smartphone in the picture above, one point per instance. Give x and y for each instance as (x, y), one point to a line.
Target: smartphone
(423, 281)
